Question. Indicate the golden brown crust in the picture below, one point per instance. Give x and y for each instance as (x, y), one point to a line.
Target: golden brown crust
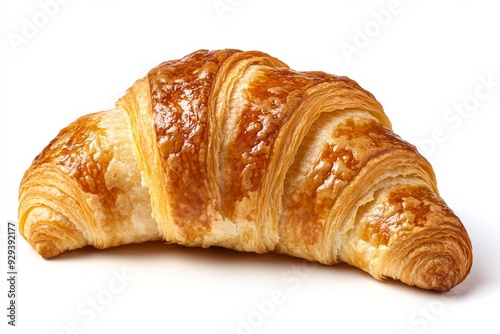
(84, 188)
(179, 98)
(235, 149)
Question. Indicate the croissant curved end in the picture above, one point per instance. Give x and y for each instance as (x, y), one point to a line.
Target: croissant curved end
(440, 272)
(46, 248)
(439, 263)
(50, 233)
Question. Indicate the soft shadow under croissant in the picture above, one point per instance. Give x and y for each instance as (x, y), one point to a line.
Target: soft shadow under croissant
(234, 149)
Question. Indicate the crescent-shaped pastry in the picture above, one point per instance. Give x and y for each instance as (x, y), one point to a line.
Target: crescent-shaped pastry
(234, 149)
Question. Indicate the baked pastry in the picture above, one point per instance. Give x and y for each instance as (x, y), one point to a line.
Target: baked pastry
(234, 149)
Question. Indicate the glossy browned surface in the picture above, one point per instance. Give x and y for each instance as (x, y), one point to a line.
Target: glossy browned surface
(179, 97)
(269, 100)
(407, 207)
(79, 151)
(353, 144)
(180, 90)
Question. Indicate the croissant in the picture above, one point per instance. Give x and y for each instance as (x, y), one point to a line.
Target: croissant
(234, 149)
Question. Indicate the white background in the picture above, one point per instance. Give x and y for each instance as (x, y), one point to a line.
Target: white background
(424, 62)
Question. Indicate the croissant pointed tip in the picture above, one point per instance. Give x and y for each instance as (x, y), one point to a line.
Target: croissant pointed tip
(441, 274)
(46, 248)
